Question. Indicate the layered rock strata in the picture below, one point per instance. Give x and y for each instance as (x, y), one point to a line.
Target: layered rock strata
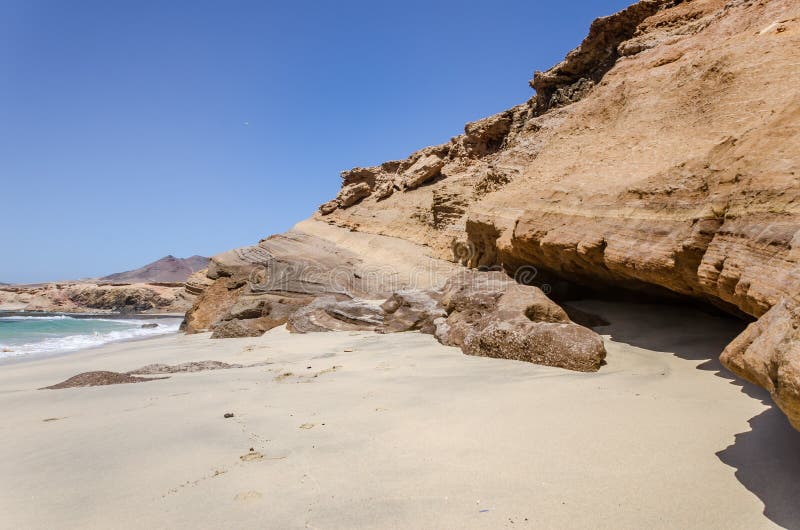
(661, 155)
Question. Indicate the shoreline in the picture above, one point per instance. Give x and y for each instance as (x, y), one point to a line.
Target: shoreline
(84, 315)
(362, 430)
(30, 357)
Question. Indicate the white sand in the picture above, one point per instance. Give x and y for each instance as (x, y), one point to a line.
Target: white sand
(405, 434)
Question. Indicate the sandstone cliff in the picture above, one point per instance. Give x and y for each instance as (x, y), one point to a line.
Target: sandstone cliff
(661, 155)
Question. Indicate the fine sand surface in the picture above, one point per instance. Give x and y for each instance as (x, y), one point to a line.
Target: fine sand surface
(358, 430)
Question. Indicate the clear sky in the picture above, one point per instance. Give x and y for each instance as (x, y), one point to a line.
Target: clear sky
(132, 129)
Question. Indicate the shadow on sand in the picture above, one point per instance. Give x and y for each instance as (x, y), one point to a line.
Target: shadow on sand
(766, 458)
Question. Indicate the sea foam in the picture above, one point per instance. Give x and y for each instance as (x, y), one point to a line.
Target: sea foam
(52, 341)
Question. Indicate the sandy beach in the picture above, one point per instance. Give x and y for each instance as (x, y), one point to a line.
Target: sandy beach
(360, 430)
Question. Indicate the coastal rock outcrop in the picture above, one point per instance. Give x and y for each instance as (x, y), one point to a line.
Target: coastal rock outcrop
(260, 287)
(768, 354)
(484, 313)
(157, 287)
(332, 313)
(660, 156)
(413, 310)
(491, 315)
(88, 297)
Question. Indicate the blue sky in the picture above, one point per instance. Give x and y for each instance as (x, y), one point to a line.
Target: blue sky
(134, 129)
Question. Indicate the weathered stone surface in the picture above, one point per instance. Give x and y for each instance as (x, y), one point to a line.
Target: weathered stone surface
(660, 156)
(348, 196)
(768, 354)
(253, 314)
(329, 207)
(490, 315)
(211, 305)
(483, 313)
(268, 282)
(331, 313)
(421, 171)
(360, 182)
(411, 310)
(565, 345)
(486, 136)
(248, 307)
(353, 193)
(198, 282)
(575, 76)
(233, 329)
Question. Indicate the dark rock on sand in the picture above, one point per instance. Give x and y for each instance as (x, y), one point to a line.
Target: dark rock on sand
(411, 310)
(490, 315)
(100, 378)
(195, 366)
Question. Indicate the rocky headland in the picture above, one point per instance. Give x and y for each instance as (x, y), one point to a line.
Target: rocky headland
(159, 287)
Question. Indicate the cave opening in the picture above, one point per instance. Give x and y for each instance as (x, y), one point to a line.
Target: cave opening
(644, 315)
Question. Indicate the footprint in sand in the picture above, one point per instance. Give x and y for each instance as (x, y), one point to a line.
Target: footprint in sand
(248, 496)
(252, 456)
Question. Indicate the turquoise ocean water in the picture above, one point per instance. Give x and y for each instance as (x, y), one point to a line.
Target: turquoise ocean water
(35, 335)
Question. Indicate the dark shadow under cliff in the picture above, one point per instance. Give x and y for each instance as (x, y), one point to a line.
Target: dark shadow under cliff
(767, 462)
(766, 458)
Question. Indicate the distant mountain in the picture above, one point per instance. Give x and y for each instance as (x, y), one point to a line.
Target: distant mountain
(168, 269)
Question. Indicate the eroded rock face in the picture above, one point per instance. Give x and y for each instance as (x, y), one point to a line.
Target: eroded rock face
(483, 313)
(253, 314)
(421, 171)
(661, 154)
(257, 288)
(768, 354)
(412, 310)
(490, 315)
(573, 78)
(332, 313)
